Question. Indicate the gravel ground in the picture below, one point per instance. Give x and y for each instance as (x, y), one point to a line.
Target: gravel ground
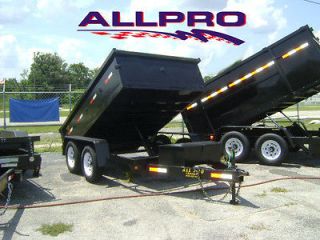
(262, 214)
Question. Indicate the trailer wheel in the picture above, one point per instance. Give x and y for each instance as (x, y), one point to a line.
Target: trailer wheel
(271, 149)
(183, 140)
(90, 168)
(158, 141)
(72, 157)
(237, 142)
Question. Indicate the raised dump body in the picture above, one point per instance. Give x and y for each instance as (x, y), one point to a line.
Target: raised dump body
(133, 96)
(275, 78)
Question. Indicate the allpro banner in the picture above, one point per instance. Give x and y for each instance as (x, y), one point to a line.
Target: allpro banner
(42, 110)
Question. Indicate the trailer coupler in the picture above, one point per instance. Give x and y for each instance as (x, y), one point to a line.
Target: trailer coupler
(234, 176)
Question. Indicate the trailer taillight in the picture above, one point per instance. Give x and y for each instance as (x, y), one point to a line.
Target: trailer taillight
(221, 176)
(158, 170)
(295, 50)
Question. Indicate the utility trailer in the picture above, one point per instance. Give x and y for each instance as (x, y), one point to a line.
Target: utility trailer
(133, 96)
(275, 78)
(16, 156)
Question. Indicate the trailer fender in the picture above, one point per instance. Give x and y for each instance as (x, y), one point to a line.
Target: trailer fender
(102, 152)
(100, 146)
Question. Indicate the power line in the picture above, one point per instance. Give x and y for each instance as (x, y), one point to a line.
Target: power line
(310, 1)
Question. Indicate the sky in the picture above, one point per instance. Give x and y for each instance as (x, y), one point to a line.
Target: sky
(29, 26)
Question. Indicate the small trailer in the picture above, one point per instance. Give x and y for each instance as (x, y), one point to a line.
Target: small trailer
(273, 79)
(17, 156)
(134, 96)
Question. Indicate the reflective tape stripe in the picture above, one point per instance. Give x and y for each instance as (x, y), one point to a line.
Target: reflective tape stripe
(79, 118)
(93, 98)
(192, 106)
(108, 79)
(295, 50)
(70, 131)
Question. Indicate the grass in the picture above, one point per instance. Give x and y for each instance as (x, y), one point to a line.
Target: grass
(36, 129)
(55, 229)
(290, 204)
(279, 190)
(49, 143)
(264, 194)
(48, 148)
(258, 227)
(304, 108)
(306, 122)
(174, 125)
(62, 114)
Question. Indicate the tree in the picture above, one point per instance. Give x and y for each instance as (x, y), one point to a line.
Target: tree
(47, 71)
(94, 72)
(12, 85)
(79, 75)
(234, 64)
(207, 78)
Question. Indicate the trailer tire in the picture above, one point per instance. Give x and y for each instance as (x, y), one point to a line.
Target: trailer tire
(271, 149)
(73, 158)
(239, 142)
(89, 165)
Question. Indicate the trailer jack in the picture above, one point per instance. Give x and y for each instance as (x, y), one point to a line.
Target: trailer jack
(232, 175)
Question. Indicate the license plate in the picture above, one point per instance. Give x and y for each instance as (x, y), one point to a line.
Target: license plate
(192, 173)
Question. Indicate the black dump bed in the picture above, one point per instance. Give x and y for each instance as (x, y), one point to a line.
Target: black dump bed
(275, 78)
(133, 94)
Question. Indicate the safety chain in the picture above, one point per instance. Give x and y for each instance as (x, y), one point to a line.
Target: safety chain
(207, 195)
(5, 207)
(229, 158)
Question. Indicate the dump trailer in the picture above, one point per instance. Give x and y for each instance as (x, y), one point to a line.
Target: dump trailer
(273, 79)
(16, 156)
(133, 96)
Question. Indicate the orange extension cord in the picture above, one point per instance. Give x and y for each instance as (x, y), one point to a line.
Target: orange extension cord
(152, 194)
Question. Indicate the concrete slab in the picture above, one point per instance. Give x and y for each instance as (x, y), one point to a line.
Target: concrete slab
(263, 213)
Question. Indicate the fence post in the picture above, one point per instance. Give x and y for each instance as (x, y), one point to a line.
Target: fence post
(298, 112)
(4, 105)
(70, 89)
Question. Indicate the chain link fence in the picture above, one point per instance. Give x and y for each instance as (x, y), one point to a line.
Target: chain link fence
(314, 100)
(67, 99)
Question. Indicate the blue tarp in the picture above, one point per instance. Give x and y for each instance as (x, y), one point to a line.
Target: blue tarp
(44, 110)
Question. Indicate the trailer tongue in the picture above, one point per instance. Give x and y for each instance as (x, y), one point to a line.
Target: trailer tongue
(132, 98)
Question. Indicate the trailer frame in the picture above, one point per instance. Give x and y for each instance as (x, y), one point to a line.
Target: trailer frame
(17, 155)
(150, 166)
